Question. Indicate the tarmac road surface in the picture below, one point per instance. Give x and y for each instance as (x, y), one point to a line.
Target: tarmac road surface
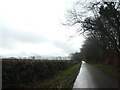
(90, 77)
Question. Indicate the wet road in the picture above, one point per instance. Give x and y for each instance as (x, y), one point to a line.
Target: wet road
(90, 77)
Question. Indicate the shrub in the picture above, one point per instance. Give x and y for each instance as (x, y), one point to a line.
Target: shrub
(19, 73)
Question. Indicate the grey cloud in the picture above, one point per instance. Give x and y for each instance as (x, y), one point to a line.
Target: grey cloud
(64, 46)
(10, 37)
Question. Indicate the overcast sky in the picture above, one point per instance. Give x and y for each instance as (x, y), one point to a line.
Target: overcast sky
(33, 27)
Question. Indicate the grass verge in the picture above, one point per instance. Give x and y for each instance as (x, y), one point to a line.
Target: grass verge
(108, 69)
(63, 80)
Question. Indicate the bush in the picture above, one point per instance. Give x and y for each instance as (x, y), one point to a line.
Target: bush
(19, 73)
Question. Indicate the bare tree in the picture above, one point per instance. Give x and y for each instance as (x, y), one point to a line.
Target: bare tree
(103, 24)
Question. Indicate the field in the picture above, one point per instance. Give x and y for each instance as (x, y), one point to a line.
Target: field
(24, 73)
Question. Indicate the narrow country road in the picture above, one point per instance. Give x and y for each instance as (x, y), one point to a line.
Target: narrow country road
(90, 77)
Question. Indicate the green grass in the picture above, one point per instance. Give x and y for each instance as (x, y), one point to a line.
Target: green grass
(108, 69)
(64, 79)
